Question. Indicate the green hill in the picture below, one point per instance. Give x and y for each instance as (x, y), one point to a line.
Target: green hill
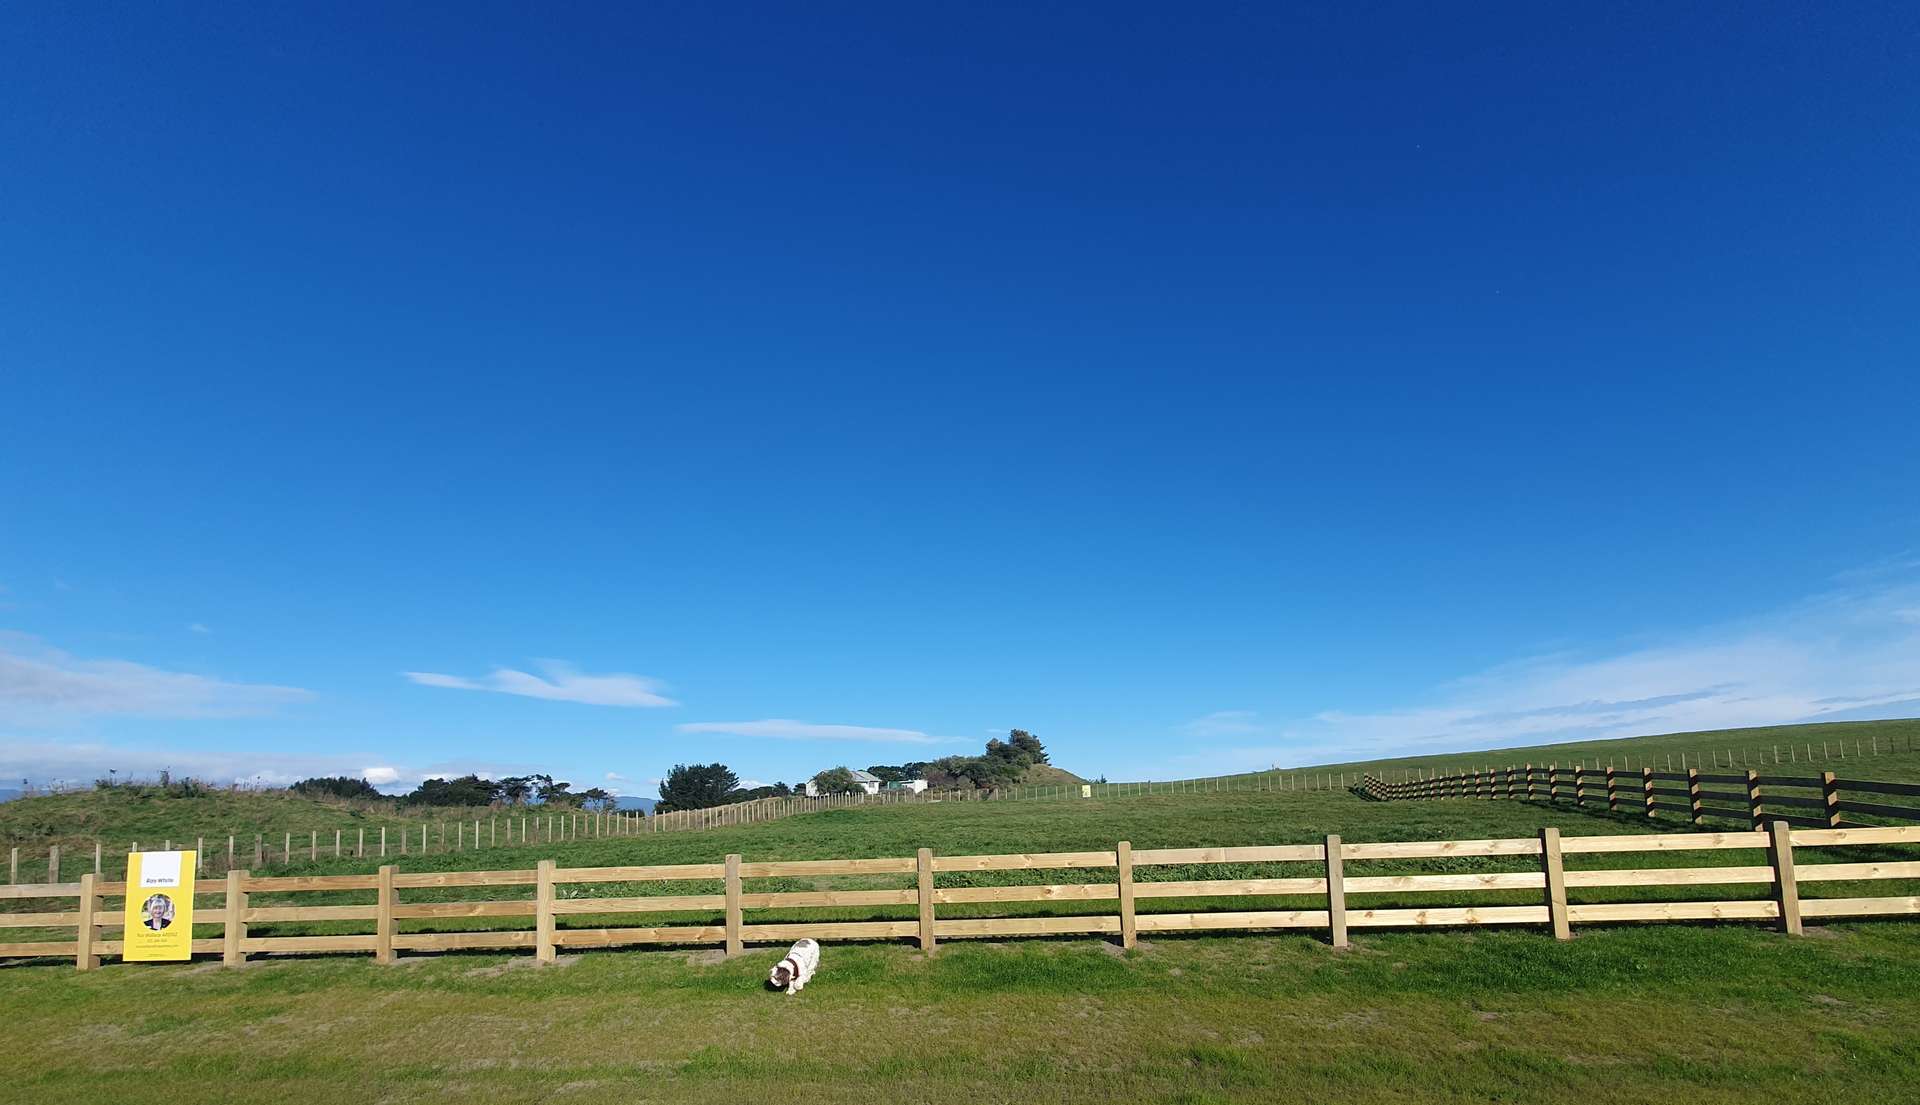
(119, 816)
(1861, 749)
(1049, 775)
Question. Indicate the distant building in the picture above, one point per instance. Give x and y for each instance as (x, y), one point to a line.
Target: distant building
(869, 784)
(916, 786)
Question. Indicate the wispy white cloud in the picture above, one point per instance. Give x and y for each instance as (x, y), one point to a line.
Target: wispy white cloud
(789, 729)
(39, 684)
(1848, 654)
(562, 684)
(197, 627)
(615, 777)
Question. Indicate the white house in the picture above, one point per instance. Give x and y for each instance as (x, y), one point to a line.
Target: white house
(916, 786)
(869, 784)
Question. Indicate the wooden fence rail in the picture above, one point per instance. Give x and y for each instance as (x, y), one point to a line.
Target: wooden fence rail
(1332, 874)
(1693, 795)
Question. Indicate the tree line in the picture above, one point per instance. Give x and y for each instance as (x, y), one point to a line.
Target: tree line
(700, 786)
(467, 790)
(1005, 762)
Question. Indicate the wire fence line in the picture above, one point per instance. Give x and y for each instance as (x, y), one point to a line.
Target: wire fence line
(510, 828)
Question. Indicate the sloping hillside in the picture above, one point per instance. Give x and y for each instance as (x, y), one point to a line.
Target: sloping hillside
(149, 813)
(1049, 775)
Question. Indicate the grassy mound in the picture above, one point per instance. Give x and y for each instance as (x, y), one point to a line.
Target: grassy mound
(1049, 775)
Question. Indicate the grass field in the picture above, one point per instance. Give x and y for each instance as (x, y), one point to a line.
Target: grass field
(122, 815)
(1856, 749)
(119, 816)
(1623, 1014)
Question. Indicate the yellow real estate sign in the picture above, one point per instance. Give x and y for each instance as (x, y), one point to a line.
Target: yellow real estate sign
(159, 907)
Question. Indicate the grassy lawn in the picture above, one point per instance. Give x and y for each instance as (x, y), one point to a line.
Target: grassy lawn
(1621, 1014)
(1717, 1014)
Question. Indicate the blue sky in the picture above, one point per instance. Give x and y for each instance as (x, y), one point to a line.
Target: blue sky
(418, 391)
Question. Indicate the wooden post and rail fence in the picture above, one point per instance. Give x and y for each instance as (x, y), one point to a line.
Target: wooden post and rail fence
(1692, 795)
(563, 912)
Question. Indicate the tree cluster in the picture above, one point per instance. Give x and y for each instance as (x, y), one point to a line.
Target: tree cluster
(513, 790)
(699, 786)
(1004, 763)
(836, 780)
(335, 786)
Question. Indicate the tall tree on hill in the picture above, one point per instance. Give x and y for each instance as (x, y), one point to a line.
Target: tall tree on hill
(1028, 746)
(696, 787)
(553, 792)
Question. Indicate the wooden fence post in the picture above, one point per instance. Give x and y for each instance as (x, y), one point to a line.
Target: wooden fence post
(1693, 798)
(1123, 865)
(235, 930)
(1336, 893)
(1755, 808)
(1553, 783)
(84, 957)
(1580, 784)
(1529, 782)
(383, 917)
(923, 868)
(734, 946)
(1831, 788)
(383, 842)
(1646, 781)
(1551, 863)
(1786, 885)
(96, 857)
(53, 863)
(13, 865)
(259, 849)
(1613, 792)
(543, 912)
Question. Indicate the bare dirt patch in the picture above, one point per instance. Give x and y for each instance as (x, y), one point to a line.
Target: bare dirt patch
(519, 963)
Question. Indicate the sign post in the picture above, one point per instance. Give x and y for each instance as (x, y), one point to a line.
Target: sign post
(159, 920)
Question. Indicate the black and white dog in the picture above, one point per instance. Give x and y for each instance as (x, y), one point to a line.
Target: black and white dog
(794, 972)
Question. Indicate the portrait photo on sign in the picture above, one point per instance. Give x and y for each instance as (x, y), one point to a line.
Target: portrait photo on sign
(159, 910)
